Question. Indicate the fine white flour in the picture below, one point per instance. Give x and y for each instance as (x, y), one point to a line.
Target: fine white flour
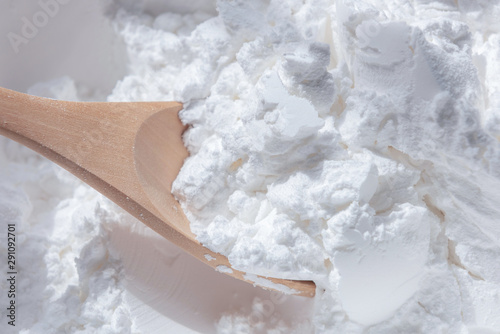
(352, 143)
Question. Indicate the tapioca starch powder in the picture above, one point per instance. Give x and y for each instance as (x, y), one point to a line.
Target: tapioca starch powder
(352, 143)
(355, 144)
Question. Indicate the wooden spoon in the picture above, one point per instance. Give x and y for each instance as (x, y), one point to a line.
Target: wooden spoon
(130, 152)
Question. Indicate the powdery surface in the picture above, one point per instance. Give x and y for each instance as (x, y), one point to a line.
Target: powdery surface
(354, 143)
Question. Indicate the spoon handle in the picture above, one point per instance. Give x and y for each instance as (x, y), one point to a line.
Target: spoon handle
(95, 141)
(96, 136)
(92, 140)
(29, 119)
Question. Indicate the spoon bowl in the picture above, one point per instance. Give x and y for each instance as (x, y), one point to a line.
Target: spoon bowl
(131, 152)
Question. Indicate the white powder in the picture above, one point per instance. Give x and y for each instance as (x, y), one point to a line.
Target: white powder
(265, 283)
(209, 257)
(224, 269)
(353, 143)
(67, 275)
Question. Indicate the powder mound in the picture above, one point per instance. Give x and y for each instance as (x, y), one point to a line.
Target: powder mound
(353, 143)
